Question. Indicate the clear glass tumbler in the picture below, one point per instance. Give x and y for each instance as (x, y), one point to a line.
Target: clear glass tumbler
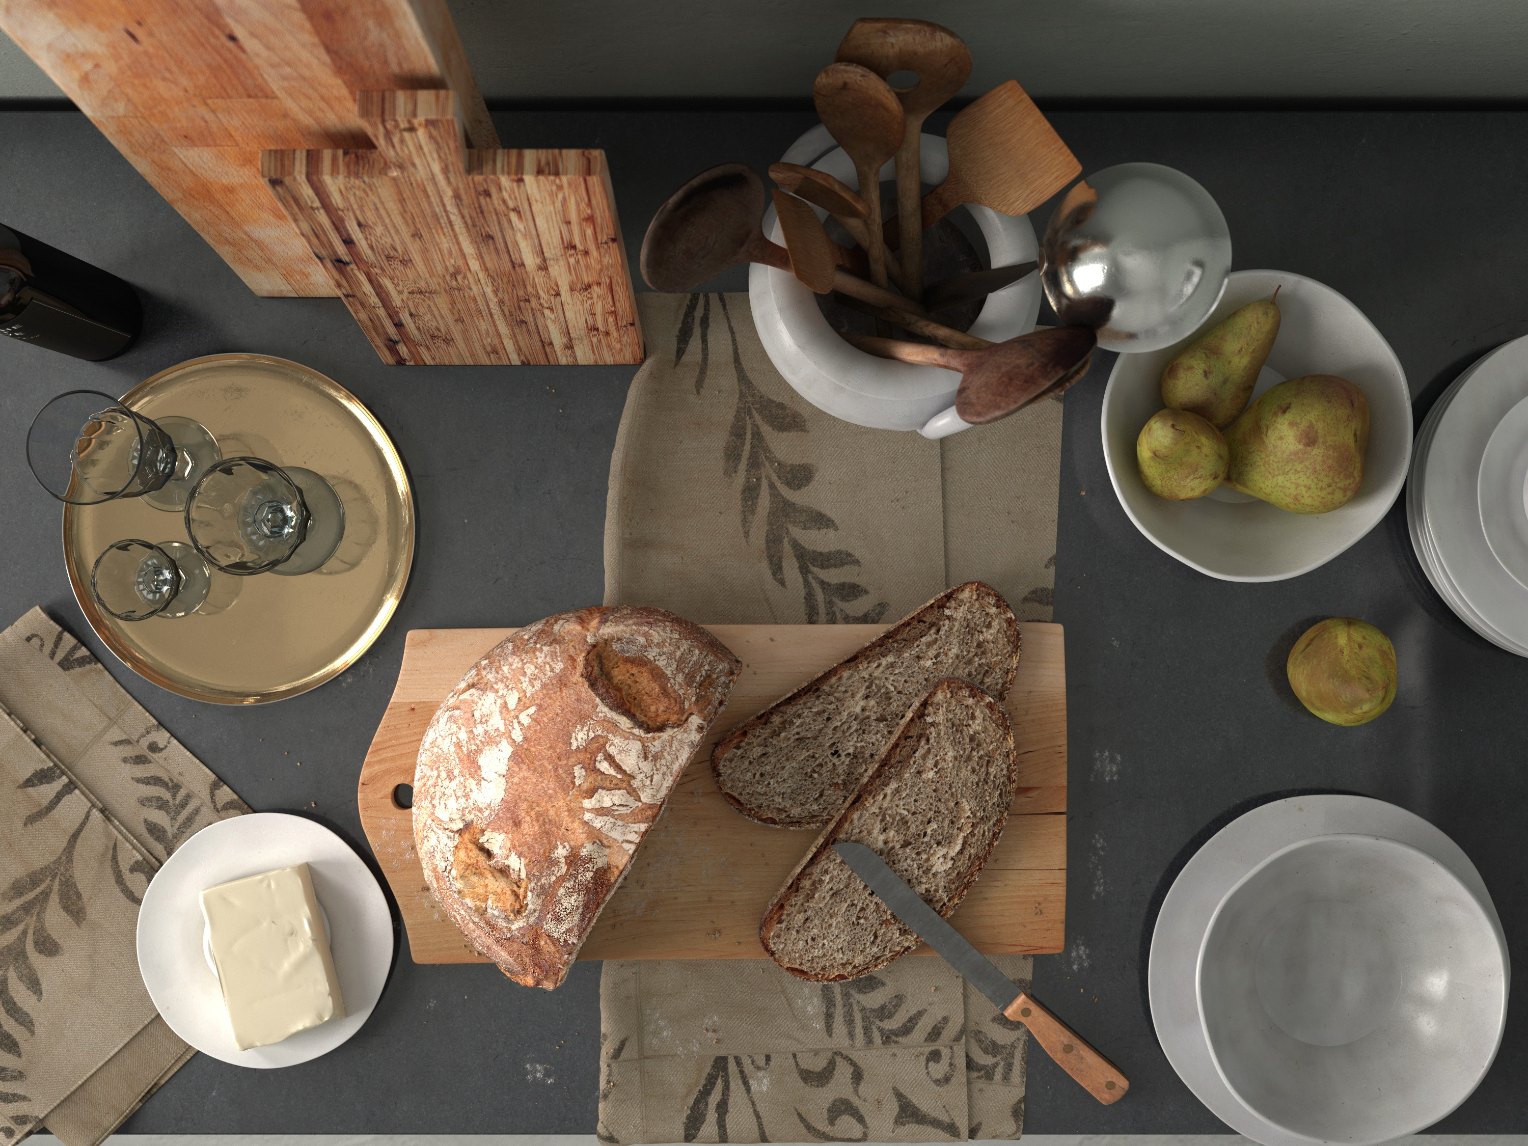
(246, 515)
(134, 580)
(85, 447)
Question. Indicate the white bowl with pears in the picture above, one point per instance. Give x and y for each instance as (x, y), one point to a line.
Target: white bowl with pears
(1230, 534)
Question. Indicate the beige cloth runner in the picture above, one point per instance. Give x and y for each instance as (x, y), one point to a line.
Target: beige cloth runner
(734, 500)
(98, 795)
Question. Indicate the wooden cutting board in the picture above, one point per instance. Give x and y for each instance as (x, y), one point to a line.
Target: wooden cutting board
(704, 874)
(450, 257)
(191, 92)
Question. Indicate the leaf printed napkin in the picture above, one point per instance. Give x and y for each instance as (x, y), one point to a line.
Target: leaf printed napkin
(733, 500)
(98, 796)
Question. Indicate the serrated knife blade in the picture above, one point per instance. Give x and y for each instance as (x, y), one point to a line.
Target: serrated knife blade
(1095, 1073)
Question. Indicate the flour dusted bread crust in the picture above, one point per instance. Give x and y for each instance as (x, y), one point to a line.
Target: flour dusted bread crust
(794, 764)
(933, 809)
(545, 767)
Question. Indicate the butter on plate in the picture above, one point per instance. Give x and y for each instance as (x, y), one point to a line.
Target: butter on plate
(272, 954)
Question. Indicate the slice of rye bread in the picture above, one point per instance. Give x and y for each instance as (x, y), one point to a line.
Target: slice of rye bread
(933, 809)
(794, 764)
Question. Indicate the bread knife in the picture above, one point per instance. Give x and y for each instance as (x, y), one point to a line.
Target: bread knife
(1096, 1074)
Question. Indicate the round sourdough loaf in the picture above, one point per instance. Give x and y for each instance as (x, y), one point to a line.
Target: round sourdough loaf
(544, 768)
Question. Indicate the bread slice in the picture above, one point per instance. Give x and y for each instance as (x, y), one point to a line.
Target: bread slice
(933, 809)
(794, 764)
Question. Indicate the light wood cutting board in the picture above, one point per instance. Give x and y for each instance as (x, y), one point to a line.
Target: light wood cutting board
(704, 874)
(450, 257)
(191, 92)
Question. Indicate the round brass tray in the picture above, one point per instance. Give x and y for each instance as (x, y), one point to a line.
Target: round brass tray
(278, 636)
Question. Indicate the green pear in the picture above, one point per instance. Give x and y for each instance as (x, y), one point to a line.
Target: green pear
(1180, 455)
(1301, 445)
(1343, 670)
(1214, 375)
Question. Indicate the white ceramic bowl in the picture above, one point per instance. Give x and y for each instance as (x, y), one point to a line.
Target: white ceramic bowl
(1229, 535)
(859, 387)
(1352, 989)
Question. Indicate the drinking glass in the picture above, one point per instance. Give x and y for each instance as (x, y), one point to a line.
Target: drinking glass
(86, 447)
(246, 515)
(134, 580)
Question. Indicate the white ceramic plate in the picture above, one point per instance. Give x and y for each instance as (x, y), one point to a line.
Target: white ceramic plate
(1320, 332)
(845, 381)
(1503, 492)
(171, 925)
(1450, 490)
(1421, 535)
(1212, 871)
(1352, 989)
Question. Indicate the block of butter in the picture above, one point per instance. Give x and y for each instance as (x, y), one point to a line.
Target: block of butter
(272, 954)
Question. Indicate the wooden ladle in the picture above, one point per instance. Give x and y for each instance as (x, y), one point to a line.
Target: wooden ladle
(942, 63)
(838, 199)
(1003, 154)
(860, 110)
(1005, 376)
(712, 223)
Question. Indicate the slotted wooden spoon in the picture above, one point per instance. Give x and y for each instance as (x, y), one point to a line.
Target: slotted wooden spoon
(1003, 154)
(1005, 376)
(942, 63)
(863, 114)
(712, 223)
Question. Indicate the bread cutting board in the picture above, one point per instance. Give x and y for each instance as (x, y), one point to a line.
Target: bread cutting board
(451, 257)
(191, 92)
(704, 874)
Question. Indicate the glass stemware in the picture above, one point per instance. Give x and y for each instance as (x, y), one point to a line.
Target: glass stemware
(246, 515)
(85, 447)
(134, 579)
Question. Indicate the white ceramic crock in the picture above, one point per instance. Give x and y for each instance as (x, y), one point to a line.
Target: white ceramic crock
(859, 387)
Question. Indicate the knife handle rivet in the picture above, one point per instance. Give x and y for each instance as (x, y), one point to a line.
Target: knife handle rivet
(1110, 1085)
(1067, 1048)
(1026, 1012)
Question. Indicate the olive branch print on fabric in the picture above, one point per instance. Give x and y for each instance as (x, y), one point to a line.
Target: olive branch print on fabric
(25, 930)
(767, 478)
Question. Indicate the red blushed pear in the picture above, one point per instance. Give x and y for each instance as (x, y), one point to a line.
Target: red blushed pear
(1301, 445)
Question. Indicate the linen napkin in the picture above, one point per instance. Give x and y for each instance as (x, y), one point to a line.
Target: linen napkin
(733, 500)
(98, 795)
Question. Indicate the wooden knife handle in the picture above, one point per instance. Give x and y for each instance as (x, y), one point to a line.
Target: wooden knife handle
(1096, 1074)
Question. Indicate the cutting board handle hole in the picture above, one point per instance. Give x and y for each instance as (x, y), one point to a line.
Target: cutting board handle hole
(403, 796)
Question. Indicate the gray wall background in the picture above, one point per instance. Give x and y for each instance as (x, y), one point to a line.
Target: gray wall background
(539, 50)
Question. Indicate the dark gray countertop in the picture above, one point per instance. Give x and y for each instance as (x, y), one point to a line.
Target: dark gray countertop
(1179, 718)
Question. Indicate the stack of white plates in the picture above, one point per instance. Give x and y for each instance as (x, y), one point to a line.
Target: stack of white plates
(1467, 502)
(1329, 969)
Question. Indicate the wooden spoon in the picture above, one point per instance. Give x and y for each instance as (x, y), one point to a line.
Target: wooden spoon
(811, 256)
(943, 64)
(860, 110)
(970, 285)
(1004, 377)
(712, 223)
(836, 197)
(1003, 154)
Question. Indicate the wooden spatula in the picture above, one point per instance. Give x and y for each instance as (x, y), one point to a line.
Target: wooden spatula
(860, 110)
(1003, 154)
(942, 64)
(1005, 376)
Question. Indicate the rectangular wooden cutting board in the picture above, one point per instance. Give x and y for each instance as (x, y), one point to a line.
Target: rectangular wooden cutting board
(455, 257)
(704, 874)
(191, 92)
